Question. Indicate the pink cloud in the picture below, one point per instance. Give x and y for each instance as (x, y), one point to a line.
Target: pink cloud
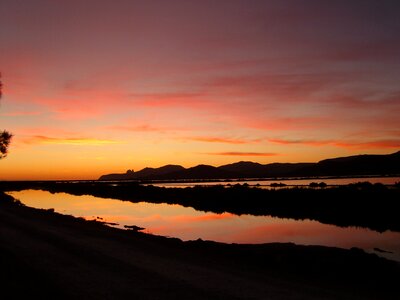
(291, 87)
(364, 100)
(287, 123)
(300, 142)
(342, 144)
(382, 50)
(21, 113)
(211, 139)
(137, 128)
(244, 153)
(182, 99)
(43, 131)
(68, 141)
(370, 145)
(92, 103)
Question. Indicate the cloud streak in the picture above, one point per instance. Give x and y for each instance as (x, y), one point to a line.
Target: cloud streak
(395, 143)
(137, 128)
(261, 154)
(21, 113)
(210, 139)
(39, 139)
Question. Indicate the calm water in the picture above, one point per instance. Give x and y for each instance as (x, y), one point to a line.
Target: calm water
(189, 224)
(289, 182)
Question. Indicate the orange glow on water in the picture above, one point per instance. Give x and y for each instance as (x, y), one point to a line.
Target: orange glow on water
(189, 224)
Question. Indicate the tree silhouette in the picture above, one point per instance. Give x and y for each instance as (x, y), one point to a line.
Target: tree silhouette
(5, 136)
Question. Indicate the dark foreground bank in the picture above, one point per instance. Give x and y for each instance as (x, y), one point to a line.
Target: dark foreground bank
(43, 254)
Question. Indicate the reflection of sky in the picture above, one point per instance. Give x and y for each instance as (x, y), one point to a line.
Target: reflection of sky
(188, 224)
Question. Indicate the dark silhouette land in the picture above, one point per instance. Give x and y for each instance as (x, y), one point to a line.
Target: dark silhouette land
(344, 166)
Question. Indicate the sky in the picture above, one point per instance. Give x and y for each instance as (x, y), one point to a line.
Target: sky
(97, 87)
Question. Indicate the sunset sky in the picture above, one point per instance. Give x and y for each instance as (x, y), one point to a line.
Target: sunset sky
(96, 87)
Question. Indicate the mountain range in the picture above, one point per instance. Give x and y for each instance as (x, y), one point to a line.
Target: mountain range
(386, 164)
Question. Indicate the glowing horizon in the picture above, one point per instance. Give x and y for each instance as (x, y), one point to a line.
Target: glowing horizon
(97, 87)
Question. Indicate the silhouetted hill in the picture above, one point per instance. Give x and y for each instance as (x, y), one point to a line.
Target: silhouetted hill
(146, 173)
(149, 173)
(355, 165)
(245, 168)
(249, 169)
(284, 169)
(129, 175)
(388, 164)
(200, 172)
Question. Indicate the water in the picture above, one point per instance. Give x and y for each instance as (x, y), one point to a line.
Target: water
(188, 224)
(289, 182)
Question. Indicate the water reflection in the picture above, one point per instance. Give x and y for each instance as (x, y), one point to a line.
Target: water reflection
(189, 224)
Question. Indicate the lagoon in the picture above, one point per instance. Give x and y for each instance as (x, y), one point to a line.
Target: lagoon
(187, 223)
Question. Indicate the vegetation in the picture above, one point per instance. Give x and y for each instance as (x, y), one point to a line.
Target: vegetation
(5, 136)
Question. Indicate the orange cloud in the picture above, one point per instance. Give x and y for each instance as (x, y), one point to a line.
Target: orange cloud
(243, 153)
(343, 144)
(68, 141)
(293, 88)
(286, 123)
(43, 131)
(371, 145)
(138, 128)
(222, 140)
(302, 142)
(91, 103)
(183, 99)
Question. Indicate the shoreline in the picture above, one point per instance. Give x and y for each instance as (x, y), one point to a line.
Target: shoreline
(372, 206)
(166, 220)
(78, 258)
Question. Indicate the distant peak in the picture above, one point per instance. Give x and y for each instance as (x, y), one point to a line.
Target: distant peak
(362, 164)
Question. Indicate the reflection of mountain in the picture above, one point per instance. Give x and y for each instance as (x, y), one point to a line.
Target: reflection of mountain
(343, 166)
